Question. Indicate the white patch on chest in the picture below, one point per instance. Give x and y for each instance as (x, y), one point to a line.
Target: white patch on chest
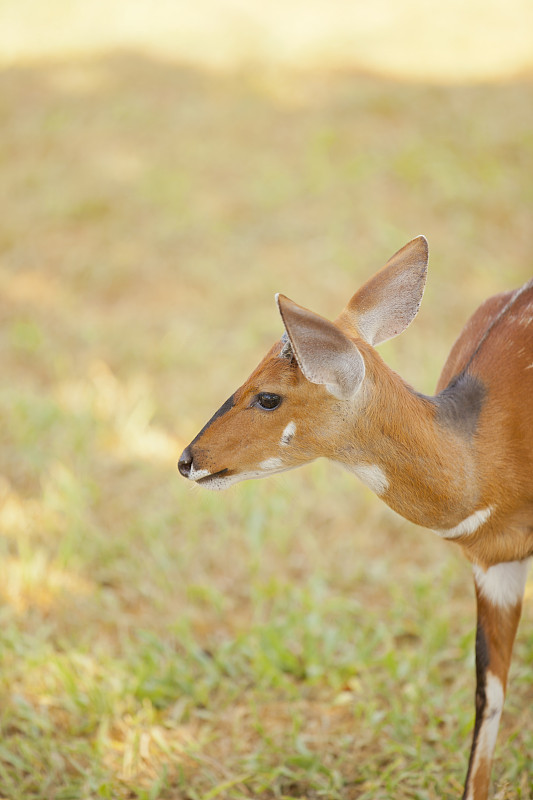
(503, 584)
(288, 433)
(271, 463)
(468, 525)
(369, 474)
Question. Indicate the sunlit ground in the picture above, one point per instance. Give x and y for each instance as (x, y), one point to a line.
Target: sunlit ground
(165, 169)
(416, 40)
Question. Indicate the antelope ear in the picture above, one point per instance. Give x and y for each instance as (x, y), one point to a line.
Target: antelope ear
(389, 301)
(324, 354)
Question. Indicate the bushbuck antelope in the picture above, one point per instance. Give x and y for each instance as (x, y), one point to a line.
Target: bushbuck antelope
(460, 463)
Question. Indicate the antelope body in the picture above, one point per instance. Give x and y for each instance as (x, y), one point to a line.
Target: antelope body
(460, 463)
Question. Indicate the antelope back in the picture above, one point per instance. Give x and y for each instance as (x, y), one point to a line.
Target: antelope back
(495, 350)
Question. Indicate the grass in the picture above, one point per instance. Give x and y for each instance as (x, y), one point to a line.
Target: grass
(290, 638)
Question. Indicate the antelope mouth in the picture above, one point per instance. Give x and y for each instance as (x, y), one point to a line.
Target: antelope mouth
(220, 474)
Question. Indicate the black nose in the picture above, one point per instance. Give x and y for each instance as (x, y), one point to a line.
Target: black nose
(185, 462)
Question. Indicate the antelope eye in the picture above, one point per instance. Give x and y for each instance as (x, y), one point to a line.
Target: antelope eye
(268, 401)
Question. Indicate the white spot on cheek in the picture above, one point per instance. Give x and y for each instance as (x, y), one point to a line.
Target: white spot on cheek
(468, 525)
(271, 463)
(503, 584)
(370, 474)
(288, 433)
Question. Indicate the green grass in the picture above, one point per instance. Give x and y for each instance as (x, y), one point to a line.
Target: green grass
(290, 638)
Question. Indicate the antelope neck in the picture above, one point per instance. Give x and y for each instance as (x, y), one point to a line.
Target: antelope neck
(423, 447)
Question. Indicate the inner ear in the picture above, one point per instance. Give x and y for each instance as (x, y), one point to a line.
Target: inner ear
(324, 353)
(389, 301)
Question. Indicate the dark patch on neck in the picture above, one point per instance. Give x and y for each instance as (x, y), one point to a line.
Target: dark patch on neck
(230, 402)
(460, 403)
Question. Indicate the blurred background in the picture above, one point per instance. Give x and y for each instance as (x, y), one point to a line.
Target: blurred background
(165, 169)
